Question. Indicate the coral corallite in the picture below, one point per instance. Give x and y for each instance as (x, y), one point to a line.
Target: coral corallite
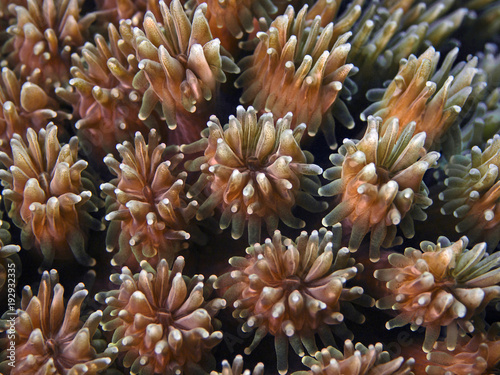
(51, 339)
(146, 203)
(49, 196)
(380, 182)
(294, 290)
(356, 360)
(162, 320)
(442, 285)
(255, 170)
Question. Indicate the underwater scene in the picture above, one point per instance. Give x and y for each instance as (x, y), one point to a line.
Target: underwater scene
(250, 187)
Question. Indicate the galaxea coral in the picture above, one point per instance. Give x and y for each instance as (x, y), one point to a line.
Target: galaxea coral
(473, 192)
(432, 99)
(442, 285)
(379, 179)
(44, 36)
(146, 203)
(48, 195)
(479, 354)
(255, 169)
(161, 319)
(306, 62)
(133, 10)
(131, 86)
(485, 122)
(237, 368)
(51, 338)
(181, 65)
(9, 261)
(385, 37)
(105, 104)
(230, 20)
(23, 105)
(294, 290)
(356, 360)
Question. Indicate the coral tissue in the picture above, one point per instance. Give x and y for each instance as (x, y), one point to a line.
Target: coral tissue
(249, 187)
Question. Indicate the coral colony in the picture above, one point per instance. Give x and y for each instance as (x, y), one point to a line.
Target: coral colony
(244, 187)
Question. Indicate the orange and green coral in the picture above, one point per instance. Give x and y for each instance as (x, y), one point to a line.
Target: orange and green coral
(189, 117)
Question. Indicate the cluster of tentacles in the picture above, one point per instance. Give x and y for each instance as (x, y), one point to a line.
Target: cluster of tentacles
(179, 166)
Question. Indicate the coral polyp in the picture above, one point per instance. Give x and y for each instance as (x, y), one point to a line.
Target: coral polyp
(256, 171)
(162, 320)
(235, 18)
(144, 143)
(146, 203)
(9, 260)
(116, 10)
(237, 368)
(356, 360)
(479, 354)
(49, 196)
(429, 97)
(23, 105)
(293, 290)
(306, 62)
(43, 37)
(380, 183)
(51, 338)
(441, 285)
(181, 64)
(473, 192)
(105, 105)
